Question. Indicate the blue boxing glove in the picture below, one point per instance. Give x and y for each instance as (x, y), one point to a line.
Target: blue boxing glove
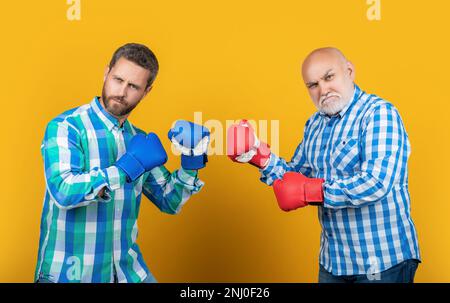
(192, 141)
(143, 154)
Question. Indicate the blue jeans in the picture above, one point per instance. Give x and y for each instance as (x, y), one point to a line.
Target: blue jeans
(401, 273)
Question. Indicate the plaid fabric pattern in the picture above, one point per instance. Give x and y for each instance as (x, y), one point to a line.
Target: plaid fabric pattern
(362, 153)
(84, 238)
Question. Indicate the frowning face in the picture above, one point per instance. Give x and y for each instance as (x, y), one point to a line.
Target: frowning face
(124, 87)
(329, 78)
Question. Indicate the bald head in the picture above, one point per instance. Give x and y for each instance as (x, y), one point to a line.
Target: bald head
(329, 77)
(329, 54)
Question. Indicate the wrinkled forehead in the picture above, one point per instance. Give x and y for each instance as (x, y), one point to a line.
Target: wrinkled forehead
(130, 71)
(317, 65)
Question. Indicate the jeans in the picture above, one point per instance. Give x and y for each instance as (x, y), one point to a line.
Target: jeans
(401, 273)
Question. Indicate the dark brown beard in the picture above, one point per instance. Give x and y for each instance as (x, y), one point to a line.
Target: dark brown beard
(117, 112)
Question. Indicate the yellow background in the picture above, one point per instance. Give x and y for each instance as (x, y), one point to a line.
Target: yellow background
(228, 59)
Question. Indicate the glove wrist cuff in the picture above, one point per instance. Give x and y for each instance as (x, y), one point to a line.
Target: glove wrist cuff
(193, 162)
(314, 190)
(131, 166)
(262, 156)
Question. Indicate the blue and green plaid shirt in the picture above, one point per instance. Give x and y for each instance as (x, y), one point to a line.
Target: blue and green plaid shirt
(362, 153)
(85, 238)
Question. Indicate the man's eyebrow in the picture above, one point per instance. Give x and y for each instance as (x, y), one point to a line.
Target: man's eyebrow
(323, 77)
(119, 77)
(134, 84)
(310, 83)
(327, 73)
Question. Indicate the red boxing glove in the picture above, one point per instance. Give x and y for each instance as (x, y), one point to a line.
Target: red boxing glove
(243, 146)
(295, 190)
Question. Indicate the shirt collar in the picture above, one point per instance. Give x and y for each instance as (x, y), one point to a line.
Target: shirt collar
(109, 120)
(356, 96)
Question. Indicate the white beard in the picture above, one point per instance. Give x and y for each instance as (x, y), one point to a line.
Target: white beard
(333, 105)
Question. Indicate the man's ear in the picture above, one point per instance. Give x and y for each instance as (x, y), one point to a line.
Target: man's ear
(351, 70)
(106, 73)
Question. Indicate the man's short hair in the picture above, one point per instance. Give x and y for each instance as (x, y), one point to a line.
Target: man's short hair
(139, 54)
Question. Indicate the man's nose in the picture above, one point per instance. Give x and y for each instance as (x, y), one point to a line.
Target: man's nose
(324, 88)
(123, 89)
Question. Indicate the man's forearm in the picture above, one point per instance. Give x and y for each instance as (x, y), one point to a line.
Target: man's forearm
(169, 191)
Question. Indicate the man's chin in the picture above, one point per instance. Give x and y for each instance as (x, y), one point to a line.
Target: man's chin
(331, 100)
(332, 110)
(115, 109)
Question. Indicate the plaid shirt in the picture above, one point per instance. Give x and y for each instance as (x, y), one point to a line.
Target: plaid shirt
(85, 238)
(362, 154)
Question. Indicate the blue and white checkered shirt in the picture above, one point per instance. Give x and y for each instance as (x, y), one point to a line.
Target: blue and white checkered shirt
(362, 154)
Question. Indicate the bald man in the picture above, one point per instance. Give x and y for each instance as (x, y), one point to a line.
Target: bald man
(352, 166)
